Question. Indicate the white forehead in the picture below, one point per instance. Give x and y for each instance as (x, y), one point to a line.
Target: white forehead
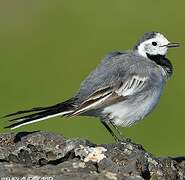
(159, 38)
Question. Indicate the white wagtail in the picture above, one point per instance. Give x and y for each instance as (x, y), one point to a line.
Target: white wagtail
(122, 89)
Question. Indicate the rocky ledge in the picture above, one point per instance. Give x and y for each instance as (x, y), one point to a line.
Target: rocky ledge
(47, 156)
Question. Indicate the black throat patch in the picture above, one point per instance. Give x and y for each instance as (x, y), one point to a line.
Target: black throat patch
(163, 62)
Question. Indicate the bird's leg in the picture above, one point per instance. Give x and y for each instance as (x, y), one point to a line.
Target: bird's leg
(110, 131)
(121, 136)
(117, 130)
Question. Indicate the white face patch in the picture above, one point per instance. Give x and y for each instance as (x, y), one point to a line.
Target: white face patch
(154, 46)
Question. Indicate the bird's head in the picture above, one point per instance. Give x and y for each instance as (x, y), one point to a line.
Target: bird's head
(153, 43)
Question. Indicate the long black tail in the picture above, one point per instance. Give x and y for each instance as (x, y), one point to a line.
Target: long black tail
(41, 113)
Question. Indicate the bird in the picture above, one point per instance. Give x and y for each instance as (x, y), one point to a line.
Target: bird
(122, 90)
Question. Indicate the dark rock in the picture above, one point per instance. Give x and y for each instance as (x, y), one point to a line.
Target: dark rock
(49, 156)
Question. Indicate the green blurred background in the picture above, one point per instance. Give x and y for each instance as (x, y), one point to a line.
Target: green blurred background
(48, 47)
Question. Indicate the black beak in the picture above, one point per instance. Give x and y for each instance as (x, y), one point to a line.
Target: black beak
(171, 45)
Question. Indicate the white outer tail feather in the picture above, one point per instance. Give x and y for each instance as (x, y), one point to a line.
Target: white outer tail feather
(41, 119)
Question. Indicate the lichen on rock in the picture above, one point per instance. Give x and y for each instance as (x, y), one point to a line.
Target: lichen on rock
(44, 154)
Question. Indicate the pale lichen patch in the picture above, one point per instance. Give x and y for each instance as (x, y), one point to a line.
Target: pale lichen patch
(94, 154)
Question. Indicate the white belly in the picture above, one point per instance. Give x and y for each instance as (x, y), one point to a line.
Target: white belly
(130, 111)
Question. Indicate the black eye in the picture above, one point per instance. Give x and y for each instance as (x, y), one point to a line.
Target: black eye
(154, 43)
